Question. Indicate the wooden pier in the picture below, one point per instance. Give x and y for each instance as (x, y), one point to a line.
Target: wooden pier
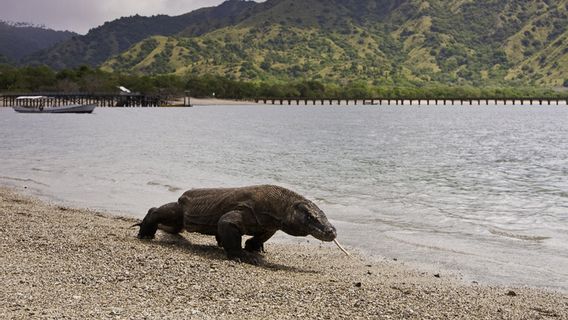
(101, 100)
(415, 102)
(139, 100)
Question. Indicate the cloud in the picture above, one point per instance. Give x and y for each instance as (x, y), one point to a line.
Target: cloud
(81, 15)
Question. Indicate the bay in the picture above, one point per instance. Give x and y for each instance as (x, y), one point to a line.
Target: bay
(480, 191)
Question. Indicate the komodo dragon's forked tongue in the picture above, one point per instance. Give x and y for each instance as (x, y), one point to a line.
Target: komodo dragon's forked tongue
(341, 248)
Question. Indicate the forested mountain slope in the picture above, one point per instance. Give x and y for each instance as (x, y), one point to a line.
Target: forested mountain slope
(114, 37)
(376, 41)
(18, 40)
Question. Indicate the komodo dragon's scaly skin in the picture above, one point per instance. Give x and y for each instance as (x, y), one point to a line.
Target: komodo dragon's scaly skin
(230, 213)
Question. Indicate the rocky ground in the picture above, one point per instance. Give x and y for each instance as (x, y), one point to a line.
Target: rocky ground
(64, 263)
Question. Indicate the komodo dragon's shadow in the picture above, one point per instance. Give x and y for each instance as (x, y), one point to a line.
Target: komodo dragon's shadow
(214, 252)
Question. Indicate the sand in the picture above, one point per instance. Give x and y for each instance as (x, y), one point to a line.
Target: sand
(220, 102)
(64, 263)
(197, 102)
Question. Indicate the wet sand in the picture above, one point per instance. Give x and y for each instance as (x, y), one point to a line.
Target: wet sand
(60, 262)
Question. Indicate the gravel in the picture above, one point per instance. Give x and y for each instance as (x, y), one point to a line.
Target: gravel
(66, 263)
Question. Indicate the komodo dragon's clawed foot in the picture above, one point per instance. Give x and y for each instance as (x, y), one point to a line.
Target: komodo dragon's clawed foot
(147, 231)
(254, 246)
(246, 257)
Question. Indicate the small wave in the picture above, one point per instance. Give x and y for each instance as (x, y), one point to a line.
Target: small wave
(167, 186)
(518, 236)
(24, 180)
(507, 160)
(324, 201)
(430, 247)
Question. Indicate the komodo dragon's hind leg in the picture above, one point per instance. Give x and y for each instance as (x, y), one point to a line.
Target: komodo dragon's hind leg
(229, 232)
(168, 218)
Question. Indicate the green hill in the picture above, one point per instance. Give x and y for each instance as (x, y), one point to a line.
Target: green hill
(18, 40)
(379, 41)
(473, 42)
(112, 38)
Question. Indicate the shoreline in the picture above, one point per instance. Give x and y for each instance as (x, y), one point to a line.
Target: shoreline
(67, 262)
(217, 102)
(200, 102)
(377, 102)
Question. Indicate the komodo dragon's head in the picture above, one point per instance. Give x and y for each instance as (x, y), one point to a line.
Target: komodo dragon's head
(305, 218)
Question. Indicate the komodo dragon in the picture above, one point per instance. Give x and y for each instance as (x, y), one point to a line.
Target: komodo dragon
(230, 213)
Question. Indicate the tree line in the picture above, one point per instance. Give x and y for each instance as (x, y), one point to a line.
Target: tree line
(91, 80)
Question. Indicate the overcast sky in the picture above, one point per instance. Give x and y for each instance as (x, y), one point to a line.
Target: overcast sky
(81, 15)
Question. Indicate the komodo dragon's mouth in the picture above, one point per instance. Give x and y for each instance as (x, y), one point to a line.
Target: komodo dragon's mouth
(329, 234)
(326, 234)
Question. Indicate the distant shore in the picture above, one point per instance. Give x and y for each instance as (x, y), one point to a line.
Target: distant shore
(391, 102)
(219, 102)
(60, 262)
(179, 102)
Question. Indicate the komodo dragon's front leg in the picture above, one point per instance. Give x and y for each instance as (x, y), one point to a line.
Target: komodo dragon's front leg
(256, 243)
(168, 218)
(230, 230)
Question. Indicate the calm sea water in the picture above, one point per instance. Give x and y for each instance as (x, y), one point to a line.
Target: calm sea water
(482, 191)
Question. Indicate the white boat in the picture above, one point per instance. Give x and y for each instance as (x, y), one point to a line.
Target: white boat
(42, 104)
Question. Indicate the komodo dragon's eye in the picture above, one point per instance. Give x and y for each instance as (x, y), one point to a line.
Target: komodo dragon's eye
(304, 209)
(309, 215)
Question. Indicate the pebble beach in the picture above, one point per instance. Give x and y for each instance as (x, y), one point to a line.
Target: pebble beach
(58, 262)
